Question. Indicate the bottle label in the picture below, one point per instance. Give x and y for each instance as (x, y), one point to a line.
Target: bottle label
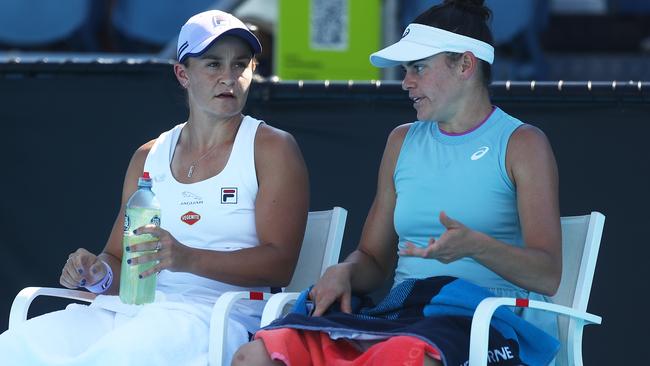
(137, 217)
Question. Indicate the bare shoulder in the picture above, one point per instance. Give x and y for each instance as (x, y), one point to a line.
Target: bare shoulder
(398, 134)
(276, 149)
(271, 143)
(135, 169)
(528, 137)
(136, 165)
(146, 147)
(396, 139)
(268, 136)
(141, 153)
(281, 170)
(529, 150)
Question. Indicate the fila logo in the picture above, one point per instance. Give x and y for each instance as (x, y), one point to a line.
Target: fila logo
(219, 21)
(229, 195)
(480, 152)
(190, 218)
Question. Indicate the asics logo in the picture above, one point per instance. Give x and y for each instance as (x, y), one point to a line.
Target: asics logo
(480, 152)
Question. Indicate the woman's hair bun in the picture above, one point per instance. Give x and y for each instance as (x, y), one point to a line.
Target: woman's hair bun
(472, 6)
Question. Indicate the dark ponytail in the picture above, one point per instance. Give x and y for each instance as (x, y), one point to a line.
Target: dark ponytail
(467, 17)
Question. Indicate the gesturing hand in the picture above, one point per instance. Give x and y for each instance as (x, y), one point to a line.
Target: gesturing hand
(453, 244)
(82, 268)
(166, 251)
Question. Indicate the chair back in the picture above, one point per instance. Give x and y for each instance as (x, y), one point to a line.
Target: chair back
(580, 244)
(321, 247)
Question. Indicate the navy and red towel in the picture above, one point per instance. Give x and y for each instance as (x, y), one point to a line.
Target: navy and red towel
(439, 311)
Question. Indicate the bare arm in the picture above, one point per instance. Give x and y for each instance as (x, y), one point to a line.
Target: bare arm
(538, 265)
(365, 269)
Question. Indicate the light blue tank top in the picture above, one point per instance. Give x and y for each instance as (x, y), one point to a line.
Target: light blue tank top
(465, 176)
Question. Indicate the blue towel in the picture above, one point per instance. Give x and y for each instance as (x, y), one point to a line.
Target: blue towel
(439, 311)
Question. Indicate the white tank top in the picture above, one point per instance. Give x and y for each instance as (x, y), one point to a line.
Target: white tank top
(216, 214)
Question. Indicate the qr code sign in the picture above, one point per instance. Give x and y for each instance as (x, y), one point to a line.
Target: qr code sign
(329, 24)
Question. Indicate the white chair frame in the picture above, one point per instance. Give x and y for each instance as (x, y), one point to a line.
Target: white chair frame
(581, 237)
(308, 270)
(324, 234)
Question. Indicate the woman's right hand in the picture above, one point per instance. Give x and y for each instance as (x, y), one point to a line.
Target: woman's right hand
(82, 268)
(334, 285)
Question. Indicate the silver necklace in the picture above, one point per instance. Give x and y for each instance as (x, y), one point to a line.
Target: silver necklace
(190, 171)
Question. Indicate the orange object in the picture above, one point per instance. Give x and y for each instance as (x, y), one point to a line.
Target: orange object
(297, 347)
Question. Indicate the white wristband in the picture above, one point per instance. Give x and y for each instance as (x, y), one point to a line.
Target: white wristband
(104, 283)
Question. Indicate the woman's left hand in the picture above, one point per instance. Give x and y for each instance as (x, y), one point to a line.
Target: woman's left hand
(169, 253)
(455, 243)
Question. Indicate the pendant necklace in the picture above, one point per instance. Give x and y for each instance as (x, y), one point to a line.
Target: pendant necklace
(190, 171)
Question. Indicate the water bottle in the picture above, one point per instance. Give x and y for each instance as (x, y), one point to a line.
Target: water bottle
(142, 209)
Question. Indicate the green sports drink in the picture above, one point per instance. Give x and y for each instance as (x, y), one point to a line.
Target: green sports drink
(141, 209)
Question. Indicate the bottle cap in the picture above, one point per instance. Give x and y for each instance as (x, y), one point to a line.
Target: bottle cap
(144, 180)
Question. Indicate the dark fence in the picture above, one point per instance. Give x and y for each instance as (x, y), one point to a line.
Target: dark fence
(70, 129)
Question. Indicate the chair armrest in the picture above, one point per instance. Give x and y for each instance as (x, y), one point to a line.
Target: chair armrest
(20, 306)
(275, 306)
(478, 345)
(219, 322)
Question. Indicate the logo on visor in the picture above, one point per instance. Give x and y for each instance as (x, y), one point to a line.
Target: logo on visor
(406, 32)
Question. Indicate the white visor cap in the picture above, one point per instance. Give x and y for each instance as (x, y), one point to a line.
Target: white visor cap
(203, 29)
(421, 41)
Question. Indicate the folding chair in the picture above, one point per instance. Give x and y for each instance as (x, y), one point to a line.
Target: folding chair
(580, 244)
